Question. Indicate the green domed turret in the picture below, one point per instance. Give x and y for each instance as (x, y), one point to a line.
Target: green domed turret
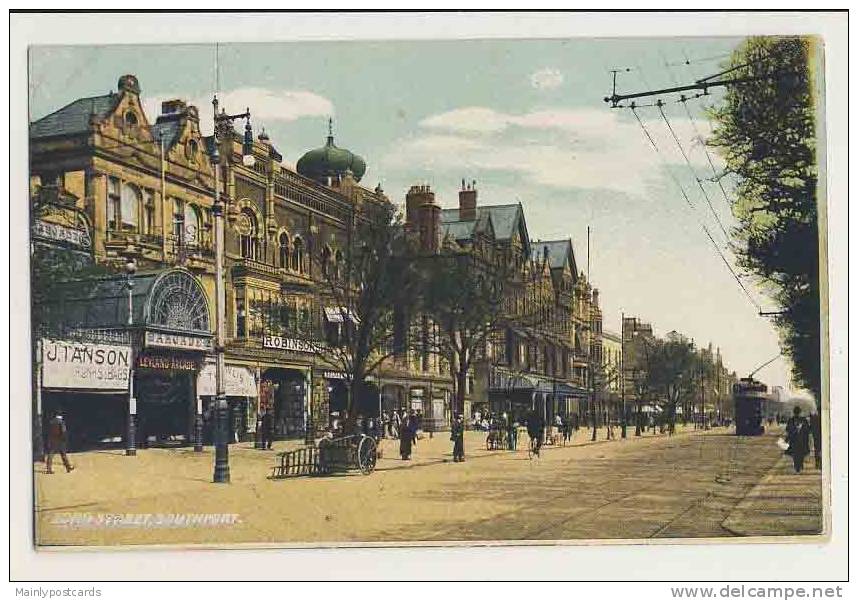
(329, 161)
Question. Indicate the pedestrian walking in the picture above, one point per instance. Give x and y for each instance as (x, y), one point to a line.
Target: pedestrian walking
(816, 433)
(457, 435)
(57, 442)
(512, 433)
(798, 437)
(267, 429)
(406, 438)
(535, 430)
(413, 425)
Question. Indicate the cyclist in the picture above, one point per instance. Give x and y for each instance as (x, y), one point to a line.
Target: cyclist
(535, 430)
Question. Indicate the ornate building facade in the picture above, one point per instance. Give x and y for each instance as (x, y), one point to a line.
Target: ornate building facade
(544, 355)
(146, 190)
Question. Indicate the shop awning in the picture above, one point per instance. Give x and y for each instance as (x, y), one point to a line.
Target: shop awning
(238, 381)
(337, 315)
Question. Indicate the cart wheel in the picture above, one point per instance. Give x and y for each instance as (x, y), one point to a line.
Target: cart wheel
(488, 443)
(367, 455)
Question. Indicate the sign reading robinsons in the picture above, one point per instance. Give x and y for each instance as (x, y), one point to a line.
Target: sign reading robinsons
(85, 365)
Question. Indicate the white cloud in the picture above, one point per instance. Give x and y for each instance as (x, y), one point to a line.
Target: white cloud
(558, 147)
(474, 119)
(266, 105)
(546, 79)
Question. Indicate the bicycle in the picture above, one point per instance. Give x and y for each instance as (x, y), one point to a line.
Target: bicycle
(534, 446)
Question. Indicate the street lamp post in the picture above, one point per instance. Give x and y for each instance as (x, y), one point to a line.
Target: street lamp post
(223, 128)
(130, 439)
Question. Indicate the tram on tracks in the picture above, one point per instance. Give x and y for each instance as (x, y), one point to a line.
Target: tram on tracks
(752, 401)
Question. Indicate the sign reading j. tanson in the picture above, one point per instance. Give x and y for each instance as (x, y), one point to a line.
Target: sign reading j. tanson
(71, 364)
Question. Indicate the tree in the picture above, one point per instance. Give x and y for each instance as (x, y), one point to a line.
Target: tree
(468, 299)
(766, 131)
(666, 370)
(360, 295)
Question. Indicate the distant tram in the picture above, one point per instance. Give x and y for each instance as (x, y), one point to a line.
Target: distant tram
(751, 399)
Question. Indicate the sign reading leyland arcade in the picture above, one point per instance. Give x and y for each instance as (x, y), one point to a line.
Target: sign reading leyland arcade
(84, 365)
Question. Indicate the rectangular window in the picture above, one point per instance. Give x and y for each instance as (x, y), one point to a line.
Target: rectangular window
(148, 212)
(113, 194)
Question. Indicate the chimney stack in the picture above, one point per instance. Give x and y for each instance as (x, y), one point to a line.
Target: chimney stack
(417, 197)
(430, 228)
(468, 201)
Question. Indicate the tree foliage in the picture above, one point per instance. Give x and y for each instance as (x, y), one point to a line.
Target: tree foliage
(360, 297)
(665, 371)
(466, 298)
(766, 131)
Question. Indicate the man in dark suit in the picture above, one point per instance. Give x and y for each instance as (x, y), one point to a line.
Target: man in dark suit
(798, 437)
(57, 442)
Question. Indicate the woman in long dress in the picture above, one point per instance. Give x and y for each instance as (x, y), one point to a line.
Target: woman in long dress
(406, 438)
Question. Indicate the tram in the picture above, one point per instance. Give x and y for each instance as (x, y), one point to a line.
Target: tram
(750, 398)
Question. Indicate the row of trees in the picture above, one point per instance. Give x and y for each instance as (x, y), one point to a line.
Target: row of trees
(668, 373)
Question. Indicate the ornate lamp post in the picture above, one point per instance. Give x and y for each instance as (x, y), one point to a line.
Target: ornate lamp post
(223, 129)
(130, 442)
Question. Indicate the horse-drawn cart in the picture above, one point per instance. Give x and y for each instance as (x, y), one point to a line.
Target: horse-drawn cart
(354, 452)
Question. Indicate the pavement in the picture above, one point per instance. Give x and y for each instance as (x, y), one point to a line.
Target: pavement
(693, 484)
(781, 501)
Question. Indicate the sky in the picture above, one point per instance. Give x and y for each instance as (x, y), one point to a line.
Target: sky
(525, 119)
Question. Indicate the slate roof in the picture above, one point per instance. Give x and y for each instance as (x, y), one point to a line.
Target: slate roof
(558, 250)
(169, 130)
(458, 230)
(72, 118)
(503, 218)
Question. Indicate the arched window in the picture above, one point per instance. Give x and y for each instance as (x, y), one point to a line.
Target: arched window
(193, 223)
(247, 229)
(326, 262)
(284, 251)
(129, 207)
(298, 255)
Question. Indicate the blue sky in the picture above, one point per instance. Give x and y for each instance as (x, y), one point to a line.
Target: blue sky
(524, 118)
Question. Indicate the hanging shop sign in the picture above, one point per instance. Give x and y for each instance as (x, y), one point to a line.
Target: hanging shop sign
(238, 381)
(85, 365)
(289, 344)
(178, 341)
(167, 361)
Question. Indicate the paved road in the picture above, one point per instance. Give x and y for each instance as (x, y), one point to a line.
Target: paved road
(655, 487)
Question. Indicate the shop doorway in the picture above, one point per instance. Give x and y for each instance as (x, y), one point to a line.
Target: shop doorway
(165, 406)
(94, 420)
(288, 394)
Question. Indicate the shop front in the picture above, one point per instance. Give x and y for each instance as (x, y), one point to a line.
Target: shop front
(164, 384)
(287, 395)
(242, 397)
(86, 381)
(338, 394)
(164, 317)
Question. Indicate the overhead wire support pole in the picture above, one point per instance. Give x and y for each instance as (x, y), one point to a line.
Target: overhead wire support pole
(702, 84)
